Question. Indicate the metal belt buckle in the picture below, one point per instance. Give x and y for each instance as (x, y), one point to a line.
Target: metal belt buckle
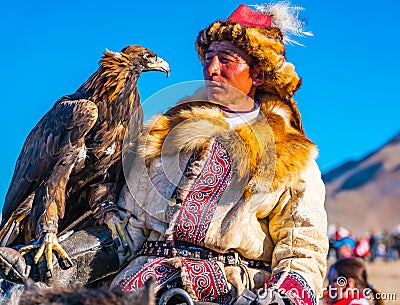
(184, 252)
(230, 259)
(212, 258)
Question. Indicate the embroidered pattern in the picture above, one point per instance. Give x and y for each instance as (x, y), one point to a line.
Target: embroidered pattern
(295, 287)
(156, 268)
(206, 277)
(199, 205)
(208, 280)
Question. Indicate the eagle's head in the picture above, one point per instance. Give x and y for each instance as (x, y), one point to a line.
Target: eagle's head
(143, 59)
(133, 60)
(119, 72)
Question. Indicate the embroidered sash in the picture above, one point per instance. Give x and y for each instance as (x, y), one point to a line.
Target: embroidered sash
(201, 195)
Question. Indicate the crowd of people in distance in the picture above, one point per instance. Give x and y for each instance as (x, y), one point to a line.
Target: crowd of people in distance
(373, 245)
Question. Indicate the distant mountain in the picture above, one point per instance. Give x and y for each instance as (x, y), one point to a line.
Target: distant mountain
(364, 195)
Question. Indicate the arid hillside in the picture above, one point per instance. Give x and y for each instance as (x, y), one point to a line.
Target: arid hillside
(364, 195)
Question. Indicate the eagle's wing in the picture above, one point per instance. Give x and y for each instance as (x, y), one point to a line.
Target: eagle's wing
(55, 134)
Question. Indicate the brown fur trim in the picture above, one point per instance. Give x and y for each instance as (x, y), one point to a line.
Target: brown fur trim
(283, 82)
(270, 138)
(287, 108)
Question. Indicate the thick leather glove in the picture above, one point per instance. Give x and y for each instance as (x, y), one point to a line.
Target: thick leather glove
(92, 251)
(13, 267)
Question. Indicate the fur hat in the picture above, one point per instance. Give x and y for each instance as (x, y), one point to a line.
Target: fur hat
(261, 34)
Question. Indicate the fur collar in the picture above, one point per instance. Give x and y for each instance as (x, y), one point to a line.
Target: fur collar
(268, 147)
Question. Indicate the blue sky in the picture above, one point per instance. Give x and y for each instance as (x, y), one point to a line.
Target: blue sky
(350, 67)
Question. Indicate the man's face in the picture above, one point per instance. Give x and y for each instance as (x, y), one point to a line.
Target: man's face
(227, 64)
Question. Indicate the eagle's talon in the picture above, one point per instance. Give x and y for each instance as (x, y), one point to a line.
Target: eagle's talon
(25, 249)
(117, 228)
(50, 243)
(67, 262)
(49, 274)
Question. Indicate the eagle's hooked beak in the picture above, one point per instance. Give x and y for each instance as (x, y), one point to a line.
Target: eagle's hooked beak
(157, 64)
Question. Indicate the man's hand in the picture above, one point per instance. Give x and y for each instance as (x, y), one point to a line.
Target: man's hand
(13, 267)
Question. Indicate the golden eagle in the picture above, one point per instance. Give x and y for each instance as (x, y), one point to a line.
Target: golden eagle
(71, 162)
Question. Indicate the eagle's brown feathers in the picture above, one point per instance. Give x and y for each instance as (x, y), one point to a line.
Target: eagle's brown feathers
(76, 147)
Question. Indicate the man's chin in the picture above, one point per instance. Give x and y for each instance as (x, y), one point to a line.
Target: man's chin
(216, 94)
(216, 98)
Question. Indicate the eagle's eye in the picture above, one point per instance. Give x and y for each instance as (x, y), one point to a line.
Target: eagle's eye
(145, 56)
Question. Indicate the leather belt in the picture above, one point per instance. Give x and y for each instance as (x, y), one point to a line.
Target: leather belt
(178, 249)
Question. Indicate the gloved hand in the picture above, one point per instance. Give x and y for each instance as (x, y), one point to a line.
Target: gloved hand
(13, 267)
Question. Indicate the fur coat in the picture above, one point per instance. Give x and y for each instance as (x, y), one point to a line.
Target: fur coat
(273, 210)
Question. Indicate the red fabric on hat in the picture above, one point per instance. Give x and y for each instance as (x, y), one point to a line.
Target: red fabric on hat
(245, 16)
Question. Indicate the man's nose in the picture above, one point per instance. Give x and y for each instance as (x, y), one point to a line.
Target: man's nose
(213, 67)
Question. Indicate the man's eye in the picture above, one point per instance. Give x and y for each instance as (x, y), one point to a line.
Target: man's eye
(226, 59)
(222, 59)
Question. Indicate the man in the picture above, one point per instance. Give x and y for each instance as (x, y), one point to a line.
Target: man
(225, 196)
